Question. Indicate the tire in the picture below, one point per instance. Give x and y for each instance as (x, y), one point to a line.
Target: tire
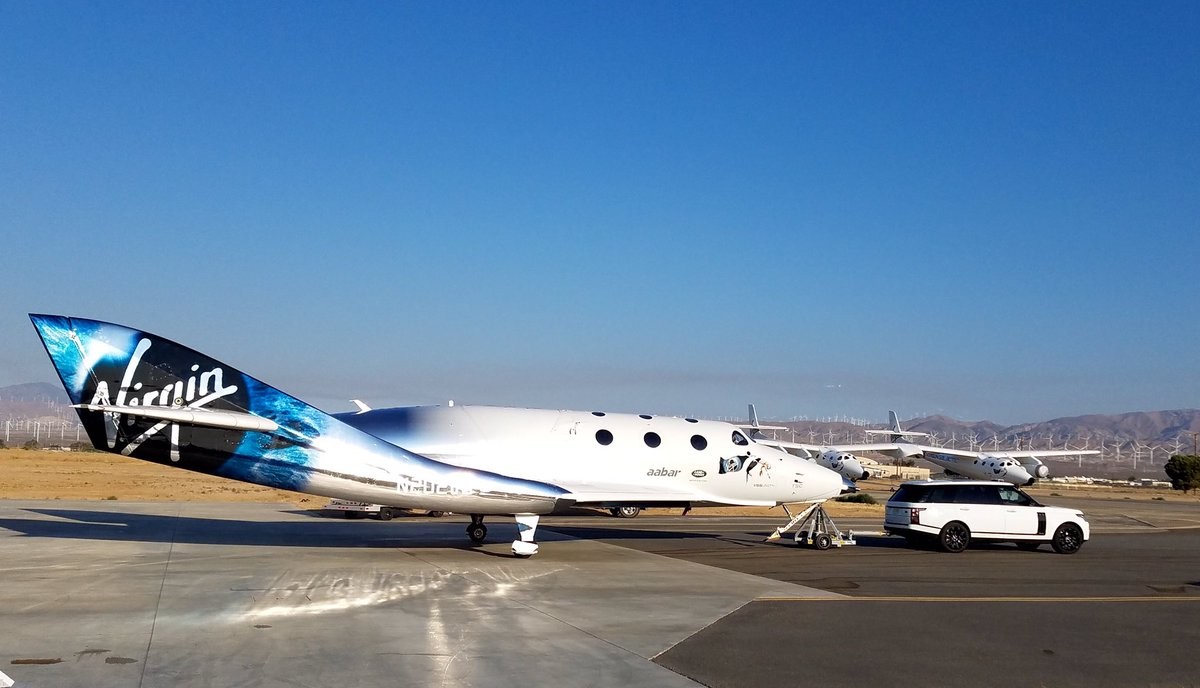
(385, 514)
(1067, 539)
(822, 541)
(955, 536)
(435, 514)
(477, 533)
(626, 511)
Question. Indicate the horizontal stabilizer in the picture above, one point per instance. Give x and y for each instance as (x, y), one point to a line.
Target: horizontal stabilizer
(897, 433)
(190, 416)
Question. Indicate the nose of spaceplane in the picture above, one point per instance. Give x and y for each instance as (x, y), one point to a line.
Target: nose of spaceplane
(815, 482)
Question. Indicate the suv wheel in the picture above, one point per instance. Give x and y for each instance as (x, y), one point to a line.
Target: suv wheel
(1067, 539)
(626, 511)
(955, 536)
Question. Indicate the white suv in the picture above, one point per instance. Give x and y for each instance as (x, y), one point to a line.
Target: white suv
(955, 512)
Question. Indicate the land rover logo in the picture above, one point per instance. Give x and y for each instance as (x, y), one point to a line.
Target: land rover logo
(698, 473)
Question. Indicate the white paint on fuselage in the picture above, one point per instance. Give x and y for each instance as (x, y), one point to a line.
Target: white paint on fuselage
(564, 448)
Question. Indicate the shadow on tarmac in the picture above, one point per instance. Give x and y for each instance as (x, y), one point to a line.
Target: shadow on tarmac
(83, 524)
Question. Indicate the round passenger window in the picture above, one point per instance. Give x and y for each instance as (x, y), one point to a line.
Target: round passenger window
(652, 439)
(698, 442)
(604, 437)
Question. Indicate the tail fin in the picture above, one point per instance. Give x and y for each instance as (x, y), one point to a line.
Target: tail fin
(754, 428)
(895, 433)
(148, 397)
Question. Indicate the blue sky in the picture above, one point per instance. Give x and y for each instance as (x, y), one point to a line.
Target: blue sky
(987, 210)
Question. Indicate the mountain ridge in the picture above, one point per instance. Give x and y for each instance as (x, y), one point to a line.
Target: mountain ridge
(1171, 429)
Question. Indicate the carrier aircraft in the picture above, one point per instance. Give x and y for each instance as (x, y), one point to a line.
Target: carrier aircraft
(146, 397)
(1022, 467)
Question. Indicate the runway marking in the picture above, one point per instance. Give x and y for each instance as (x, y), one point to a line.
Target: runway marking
(902, 598)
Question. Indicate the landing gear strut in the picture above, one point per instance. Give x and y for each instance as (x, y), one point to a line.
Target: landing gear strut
(526, 526)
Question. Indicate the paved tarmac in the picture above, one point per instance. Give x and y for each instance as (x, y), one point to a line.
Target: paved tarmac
(123, 594)
(1120, 612)
(120, 594)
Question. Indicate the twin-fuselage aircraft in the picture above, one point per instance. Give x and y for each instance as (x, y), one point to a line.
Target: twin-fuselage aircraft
(1020, 467)
(143, 396)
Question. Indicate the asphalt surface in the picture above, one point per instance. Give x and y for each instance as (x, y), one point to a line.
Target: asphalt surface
(116, 594)
(1120, 612)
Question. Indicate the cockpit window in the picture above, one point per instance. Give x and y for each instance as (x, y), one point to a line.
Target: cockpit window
(739, 439)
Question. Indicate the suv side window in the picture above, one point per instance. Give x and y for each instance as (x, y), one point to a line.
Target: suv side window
(1011, 496)
(910, 494)
(976, 494)
(943, 494)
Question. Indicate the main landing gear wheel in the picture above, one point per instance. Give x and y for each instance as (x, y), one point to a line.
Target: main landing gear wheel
(477, 531)
(955, 536)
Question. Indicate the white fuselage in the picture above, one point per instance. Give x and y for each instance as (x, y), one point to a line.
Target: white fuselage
(665, 458)
(981, 467)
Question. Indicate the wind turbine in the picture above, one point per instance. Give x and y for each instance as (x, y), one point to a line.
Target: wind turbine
(1141, 447)
(1137, 453)
(1178, 446)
